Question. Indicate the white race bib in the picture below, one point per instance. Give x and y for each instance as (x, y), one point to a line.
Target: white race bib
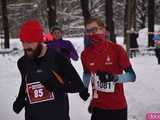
(38, 93)
(102, 86)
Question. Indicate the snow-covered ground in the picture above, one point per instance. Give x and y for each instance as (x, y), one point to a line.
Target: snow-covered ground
(143, 96)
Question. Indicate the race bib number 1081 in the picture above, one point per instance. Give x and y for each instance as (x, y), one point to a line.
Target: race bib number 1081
(105, 86)
(38, 93)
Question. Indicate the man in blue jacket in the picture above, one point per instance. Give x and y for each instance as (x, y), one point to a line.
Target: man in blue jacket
(64, 47)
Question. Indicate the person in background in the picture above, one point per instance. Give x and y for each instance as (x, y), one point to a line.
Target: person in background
(64, 47)
(47, 77)
(156, 39)
(133, 42)
(48, 37)
(103, 63)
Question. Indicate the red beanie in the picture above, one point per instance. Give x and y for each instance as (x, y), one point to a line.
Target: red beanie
(31, 31)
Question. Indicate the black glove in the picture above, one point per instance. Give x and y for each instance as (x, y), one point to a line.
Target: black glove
(90, 109)
(105, 77)
(18, 105)
(84, 94)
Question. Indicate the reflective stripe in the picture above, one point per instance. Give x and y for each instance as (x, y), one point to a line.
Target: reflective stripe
(59, 78)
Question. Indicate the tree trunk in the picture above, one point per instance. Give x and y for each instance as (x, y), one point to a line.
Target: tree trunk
(109, 19)
(131, 22)
(85, 9)
(86, 15)
(125, 22)
(51, 9)
(150, 21)
(5, 23)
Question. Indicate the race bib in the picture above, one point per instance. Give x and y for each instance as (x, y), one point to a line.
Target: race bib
(38, 93)
(103, 86)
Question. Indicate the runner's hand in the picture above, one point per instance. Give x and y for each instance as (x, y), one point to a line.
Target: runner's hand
(18, 105)
(84, 94)
(105, 77)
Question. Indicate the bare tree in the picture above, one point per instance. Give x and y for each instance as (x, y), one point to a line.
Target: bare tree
(5, 23)
(86, 15)
(125, 21)
(150, 21)
(51, 9)
(109, 19)
(85, 9)
(130, 17)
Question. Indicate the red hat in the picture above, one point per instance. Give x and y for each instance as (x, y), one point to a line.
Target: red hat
(48, 37)
(31, 31)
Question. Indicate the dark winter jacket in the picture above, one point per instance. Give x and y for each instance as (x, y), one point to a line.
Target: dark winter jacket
(65, 48)
(157, 52)
(51, 74)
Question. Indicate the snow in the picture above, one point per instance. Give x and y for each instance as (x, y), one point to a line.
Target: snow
(143, 96)
(143, 36)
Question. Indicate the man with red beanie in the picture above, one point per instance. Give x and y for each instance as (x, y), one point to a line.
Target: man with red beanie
(104, 63)
(47, 77)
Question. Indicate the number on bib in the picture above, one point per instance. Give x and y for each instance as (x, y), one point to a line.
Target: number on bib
(38, 93)
(102, 86)
(105, 87)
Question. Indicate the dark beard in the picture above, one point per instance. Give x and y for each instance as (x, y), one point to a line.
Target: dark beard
(36, 52)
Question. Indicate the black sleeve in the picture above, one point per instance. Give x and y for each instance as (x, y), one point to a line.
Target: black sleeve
(19, 103)
(129, 69)
(21, 94)
(72, 81)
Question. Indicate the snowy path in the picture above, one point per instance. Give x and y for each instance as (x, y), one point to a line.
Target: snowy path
(143, 96)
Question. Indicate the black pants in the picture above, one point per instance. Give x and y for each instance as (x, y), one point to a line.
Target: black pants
(100, 114)
(157, 52)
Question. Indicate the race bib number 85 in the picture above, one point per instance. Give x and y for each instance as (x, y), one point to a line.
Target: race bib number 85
(38, 93)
